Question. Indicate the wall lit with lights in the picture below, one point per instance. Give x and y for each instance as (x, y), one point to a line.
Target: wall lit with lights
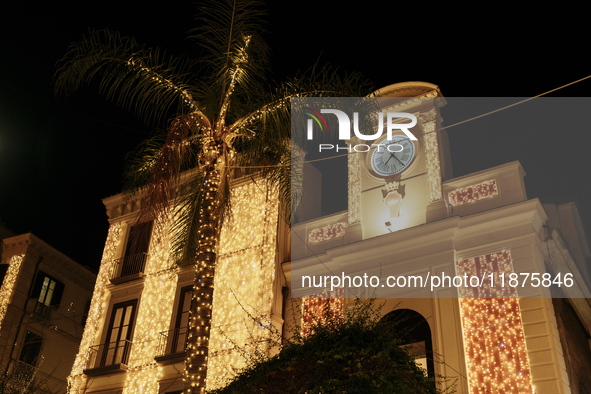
(432, 155)
(473, 193)
(494, 341)
(14, 266)
(154, 314)
(243, 295)
(98, 306)
(354, 186)
(314, 309)
(245, 273)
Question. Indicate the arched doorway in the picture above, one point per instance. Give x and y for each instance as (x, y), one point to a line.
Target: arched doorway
(416, 336)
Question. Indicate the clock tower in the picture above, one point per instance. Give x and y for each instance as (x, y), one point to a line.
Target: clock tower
(397, 183)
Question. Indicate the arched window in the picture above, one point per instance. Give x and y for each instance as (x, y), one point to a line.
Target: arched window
(416, 336)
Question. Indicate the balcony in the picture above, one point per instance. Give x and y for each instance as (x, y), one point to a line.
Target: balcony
(128, 268)
(42, 310)
(108, 358)
(19, 377)
(172, 345)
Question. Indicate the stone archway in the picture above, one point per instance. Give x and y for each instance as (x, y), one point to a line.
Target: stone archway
(415, 334)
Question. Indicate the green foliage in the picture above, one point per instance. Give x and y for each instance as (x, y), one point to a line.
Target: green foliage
(355, 354)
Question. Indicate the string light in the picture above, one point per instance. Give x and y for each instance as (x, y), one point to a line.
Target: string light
(473, 193)
(14, 266)
(432, 155)
(354, 170)
(494, 339)
(327, 232)
(245, 273)
(98, 306)
(314, 309)
(153, 316)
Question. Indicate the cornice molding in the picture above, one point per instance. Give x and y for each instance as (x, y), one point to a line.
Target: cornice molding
(477, 177)
(59, 262)
(453, 230)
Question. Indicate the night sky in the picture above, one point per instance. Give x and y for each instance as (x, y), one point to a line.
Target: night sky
(60, 157)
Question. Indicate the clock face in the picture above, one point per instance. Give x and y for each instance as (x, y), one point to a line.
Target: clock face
(392, 156)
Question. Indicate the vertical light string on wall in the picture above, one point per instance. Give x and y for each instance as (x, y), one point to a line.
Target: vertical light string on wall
(96, 311)
(241, 323)
(153, 316)
(354, 176)
(495, 349)
(14, 266)
(432, 155)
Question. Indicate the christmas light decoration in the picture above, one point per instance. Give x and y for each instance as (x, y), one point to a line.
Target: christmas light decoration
(314, 309)
(153, 317)
(327, 232)
(354, 170)
(14, 266)
(245, 273)
(473, 193)
(432, 155)
(494, 340)
(241, 307)
(98, 306)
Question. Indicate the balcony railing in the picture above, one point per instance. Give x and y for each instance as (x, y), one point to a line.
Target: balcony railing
(110, 356)
(42, 310)
(172, 343)
(19, 377)
(129, 266)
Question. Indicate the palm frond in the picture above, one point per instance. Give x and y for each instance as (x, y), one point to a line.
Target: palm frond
(156, 167)
(229, 33)
(140, 79)
(263, 137)
(141, 161)
(185, 226)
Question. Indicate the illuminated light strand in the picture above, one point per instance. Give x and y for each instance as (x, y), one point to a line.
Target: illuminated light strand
(314, 308)
(153, 317)
(163, 81)
(97, 306)
(14, 266)
(354, 171)
(244, 282)
(433, 167)
(327, 232)
(494, 339)
(200, 315)
(473, 193)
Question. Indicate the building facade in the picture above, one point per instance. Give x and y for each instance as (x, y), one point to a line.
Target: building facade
(416, 220)
(136, 335)
(44, 299)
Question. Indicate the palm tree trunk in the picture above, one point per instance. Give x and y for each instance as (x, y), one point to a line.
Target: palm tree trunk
(202, 300)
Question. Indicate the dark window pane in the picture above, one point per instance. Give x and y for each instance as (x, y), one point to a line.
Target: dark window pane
(31, 349)
(47, 290)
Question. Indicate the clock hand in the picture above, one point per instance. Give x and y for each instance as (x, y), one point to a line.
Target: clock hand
(392, 156)
(388, 160)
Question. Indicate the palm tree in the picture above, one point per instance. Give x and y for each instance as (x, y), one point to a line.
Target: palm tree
(225, 115)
